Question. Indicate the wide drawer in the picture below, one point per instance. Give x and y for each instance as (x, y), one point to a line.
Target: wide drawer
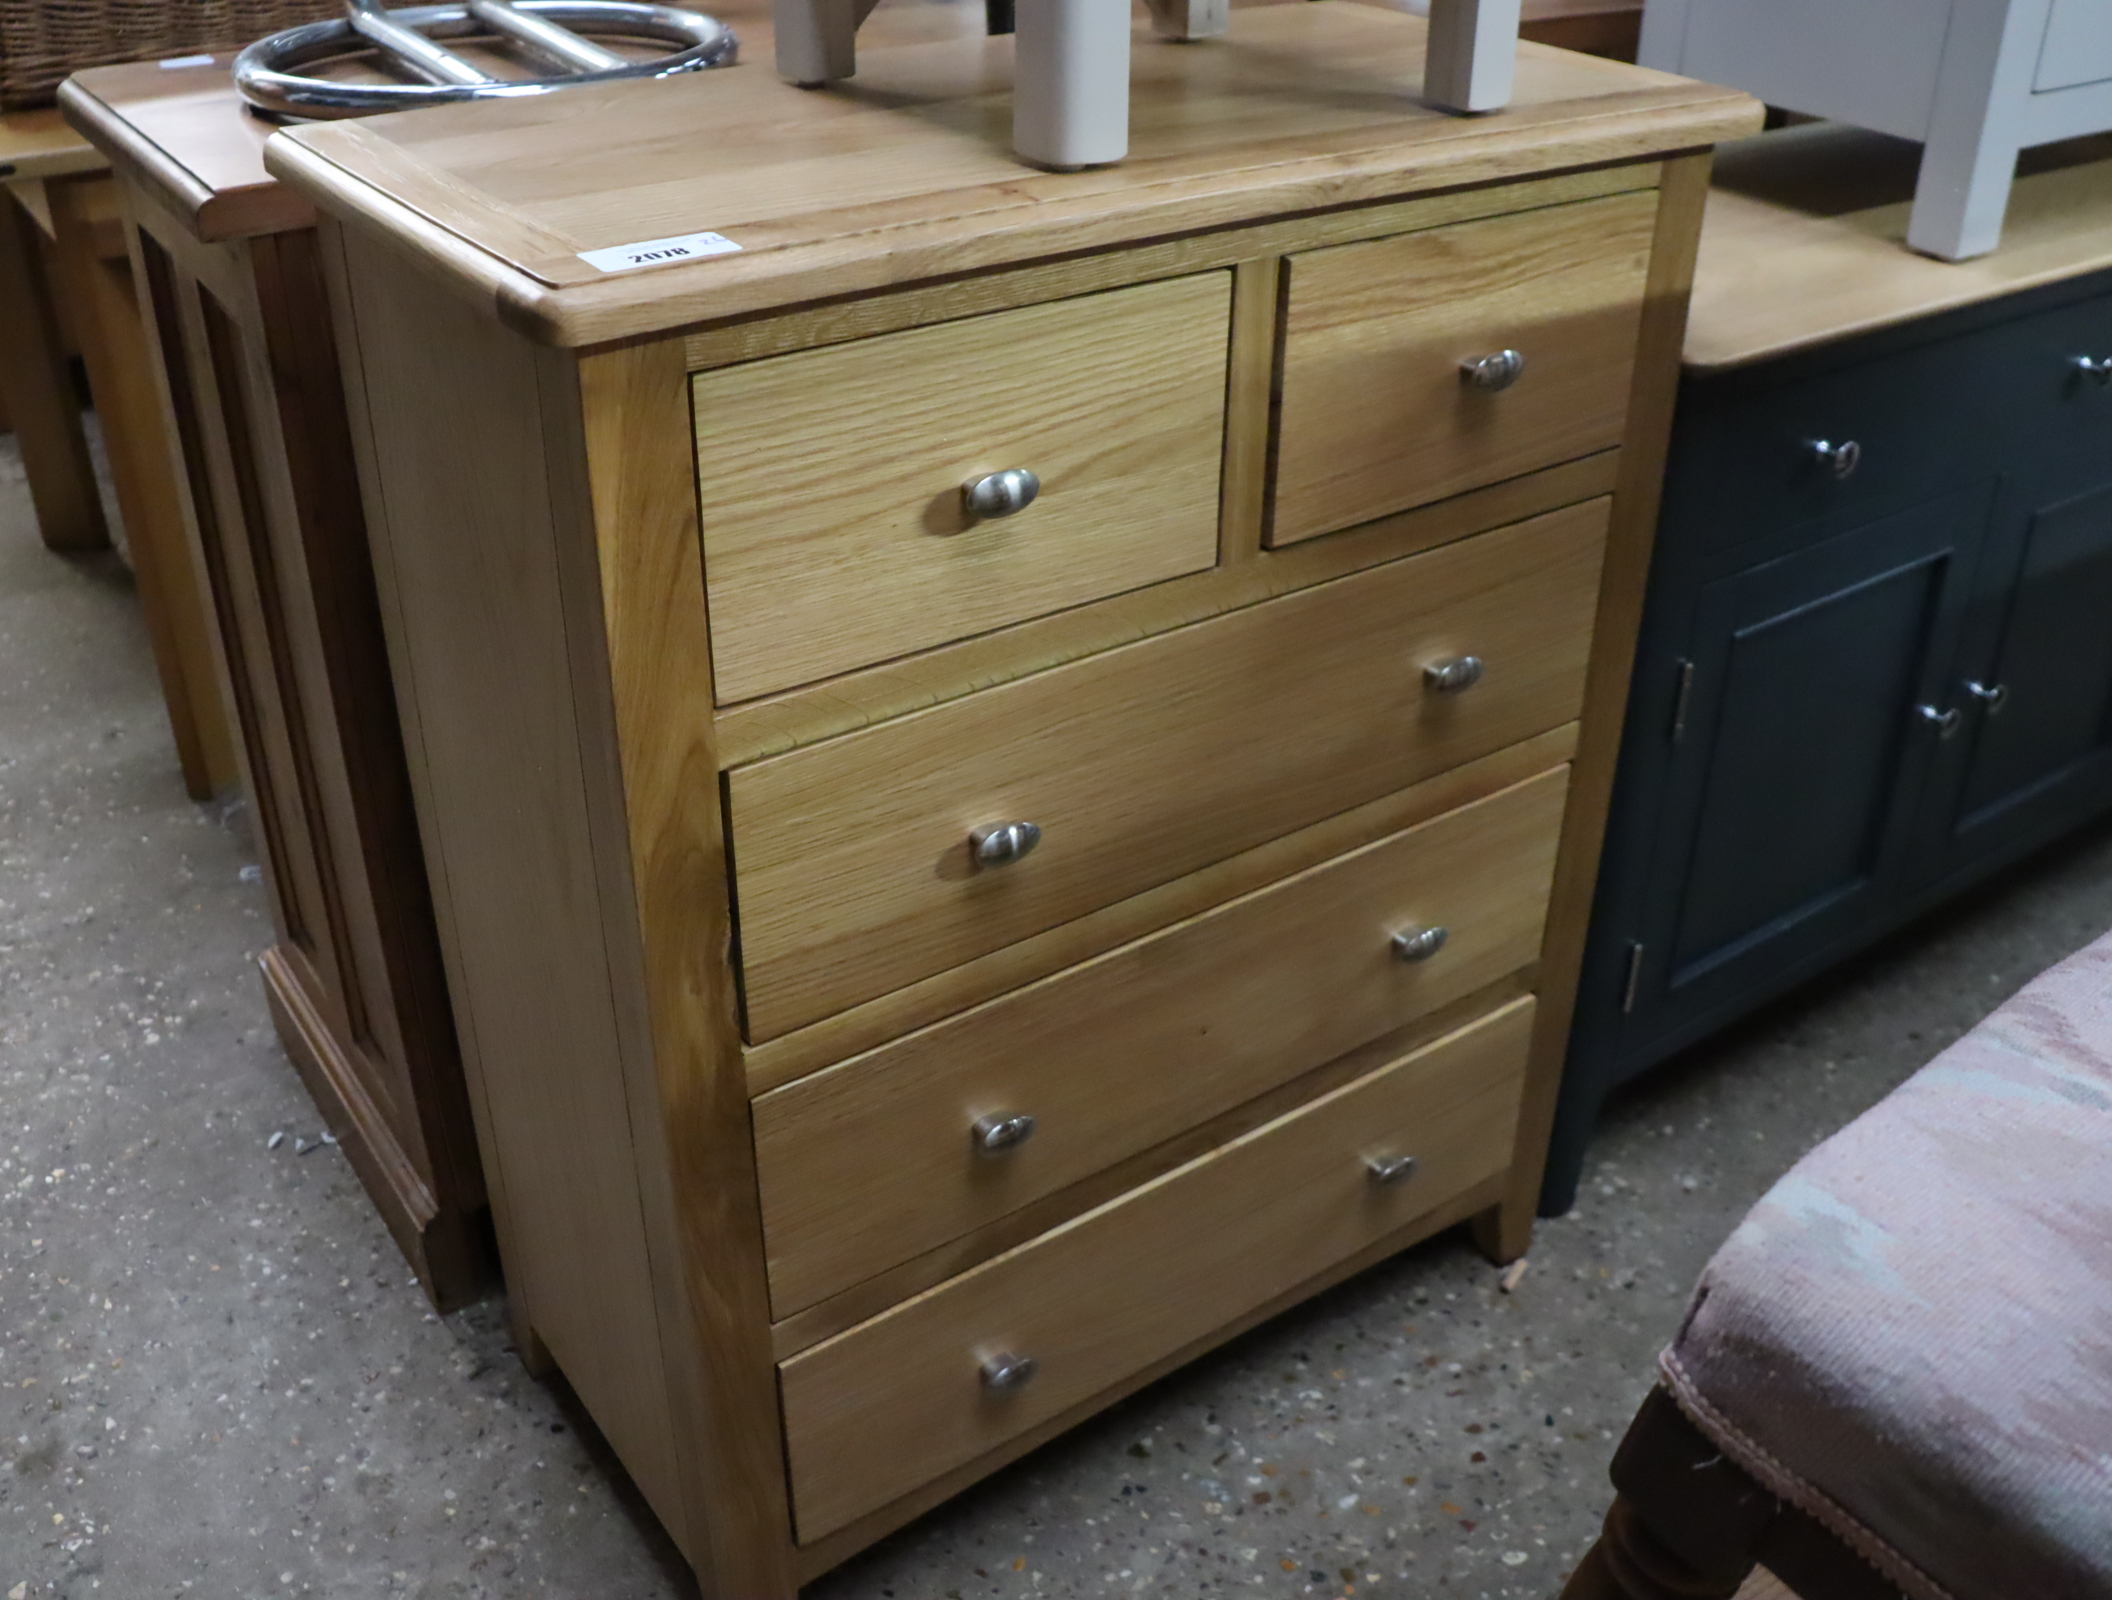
(853, 868)
(899, 1400)
(878, 1159)
(835, 528)
(1378, 414)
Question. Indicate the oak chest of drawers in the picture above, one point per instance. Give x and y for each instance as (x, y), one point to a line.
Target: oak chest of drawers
(1012, 768)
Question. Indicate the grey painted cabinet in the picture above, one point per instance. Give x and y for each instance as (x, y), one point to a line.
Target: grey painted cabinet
(1866, 678)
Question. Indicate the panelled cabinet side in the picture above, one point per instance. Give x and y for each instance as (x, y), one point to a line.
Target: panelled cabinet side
(474, 523)
(1682, 191)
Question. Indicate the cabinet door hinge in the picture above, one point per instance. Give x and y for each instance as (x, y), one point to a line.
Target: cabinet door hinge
(1679, 700)
(1633, 981)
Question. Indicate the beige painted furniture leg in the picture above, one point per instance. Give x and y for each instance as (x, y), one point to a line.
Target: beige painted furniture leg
(37, 393)
(97, 276)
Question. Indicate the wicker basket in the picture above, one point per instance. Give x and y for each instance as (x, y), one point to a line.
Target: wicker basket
(41, 41)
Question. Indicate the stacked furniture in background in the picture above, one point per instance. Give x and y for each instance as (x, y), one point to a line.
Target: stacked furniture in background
(1012, 768)
(1973, 81)
(1877, 660)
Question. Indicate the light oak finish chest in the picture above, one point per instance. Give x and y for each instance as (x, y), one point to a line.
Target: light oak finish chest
(931, 972)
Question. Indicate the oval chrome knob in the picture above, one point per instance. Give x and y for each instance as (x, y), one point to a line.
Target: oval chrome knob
(1000, 494)
(1944, 722)
(1493, 372)
(1994, 696)
(1419, 944)
(1005, 1372)
(1002, 843)
(1839, 457)
(1389, 1169)
(1002, 1131)
(1449, 677)
(2098, 367)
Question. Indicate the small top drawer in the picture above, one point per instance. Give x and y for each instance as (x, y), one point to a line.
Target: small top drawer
(854, 867)
(836, 527)
(1379, 410)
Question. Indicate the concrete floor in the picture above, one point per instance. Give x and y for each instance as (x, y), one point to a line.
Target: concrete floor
(217, 1378)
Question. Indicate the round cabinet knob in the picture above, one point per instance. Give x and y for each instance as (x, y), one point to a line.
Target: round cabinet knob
(1002, 843)
(1491, 373)
(1449, 677)
(1000, 494)
(1004, 1372)
(1840, 457)
(1386, 1170)
(1994, 696)
(1944, 722)
(2097, 367)
(1419, 944)
(1002, 1131)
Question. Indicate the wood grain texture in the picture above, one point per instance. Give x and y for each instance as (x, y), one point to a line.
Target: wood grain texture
(813, 1559)
(1376, 416)
(907, 174)
(91, 254)
(857, 700)
(792, 1056)
(1804, 240)
(869, 1297)
(870, 1162)
(1249, 389)
(822, 560)
(1632, 536)
(898, 1400)
(449, 436)
(861, 316)
(689, 1113)
(36, 391)
(852, 867)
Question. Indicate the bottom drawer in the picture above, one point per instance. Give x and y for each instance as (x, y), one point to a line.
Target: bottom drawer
(897, 1401)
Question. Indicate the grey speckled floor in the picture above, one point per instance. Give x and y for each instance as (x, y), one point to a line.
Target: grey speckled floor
(218, 1379)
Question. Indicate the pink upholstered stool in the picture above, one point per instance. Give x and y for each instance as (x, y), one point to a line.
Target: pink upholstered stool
(1896, 1376)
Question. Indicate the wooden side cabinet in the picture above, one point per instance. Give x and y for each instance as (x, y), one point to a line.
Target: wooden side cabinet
(232, 296)
(979, 857)
(1876, 665)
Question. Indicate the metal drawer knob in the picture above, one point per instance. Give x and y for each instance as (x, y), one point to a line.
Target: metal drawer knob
(1944, 722)
(2098, 367)
(1994, 696)
(1840, 458)
(1002, 843)
(1000, 494)
(1000, 1132)
(1449, 677)
(1491, 373)
(1390, 1169)
(1005, 1372)
(1419, 944)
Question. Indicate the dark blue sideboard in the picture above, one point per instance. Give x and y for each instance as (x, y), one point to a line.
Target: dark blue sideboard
(1876, 665)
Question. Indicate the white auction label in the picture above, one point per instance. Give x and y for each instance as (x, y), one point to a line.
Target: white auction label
(657, 252)
(171, 63)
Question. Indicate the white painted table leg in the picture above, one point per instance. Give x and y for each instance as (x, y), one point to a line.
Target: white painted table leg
(1070, 89)
(1190, 19)
(1975, 128)
(1473, 54)
(817, 40)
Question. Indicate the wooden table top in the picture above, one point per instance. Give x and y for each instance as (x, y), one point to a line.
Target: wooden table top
(906, 173)
(1804, 241)
(39, 144)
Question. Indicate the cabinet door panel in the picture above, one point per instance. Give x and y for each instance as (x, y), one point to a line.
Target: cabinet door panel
(1788, 815)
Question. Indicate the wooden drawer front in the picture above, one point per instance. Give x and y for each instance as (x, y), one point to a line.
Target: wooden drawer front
(871, 1162)
(1377, 415)
(834, 530)
(895, 1402)
(852, 868)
